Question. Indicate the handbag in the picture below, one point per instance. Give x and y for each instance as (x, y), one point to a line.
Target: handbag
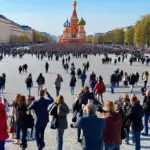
(54, 122)
(11, 128)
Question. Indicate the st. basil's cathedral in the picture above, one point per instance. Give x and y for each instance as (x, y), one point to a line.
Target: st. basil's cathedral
(74, 30)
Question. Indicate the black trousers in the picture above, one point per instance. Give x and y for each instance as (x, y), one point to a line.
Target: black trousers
(39, 134)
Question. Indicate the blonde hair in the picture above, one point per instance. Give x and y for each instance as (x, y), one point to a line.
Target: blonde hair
(110, 107)
(59, 99)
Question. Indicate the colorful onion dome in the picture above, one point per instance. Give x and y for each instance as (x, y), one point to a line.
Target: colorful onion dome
(82, 22)
(67, 23)
(75, 3)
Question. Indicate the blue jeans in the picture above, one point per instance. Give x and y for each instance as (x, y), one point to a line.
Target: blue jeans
(60, 133)
(24, 133)
(57, 91)
(136, 136)
(29, 91)
(2, 145)
(72, 90)
(146, 118)
(112, 86)
(131, 88)
(111, 147)
(39, 134)
(127, 136)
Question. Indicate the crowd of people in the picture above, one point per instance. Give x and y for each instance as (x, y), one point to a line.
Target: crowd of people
(93, 116)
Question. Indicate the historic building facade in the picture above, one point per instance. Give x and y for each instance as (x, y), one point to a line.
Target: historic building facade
(74, 30)
(9, 28)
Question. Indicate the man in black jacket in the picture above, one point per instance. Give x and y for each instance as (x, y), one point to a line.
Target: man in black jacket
(146, 106)
(135, 115)
(113, 82)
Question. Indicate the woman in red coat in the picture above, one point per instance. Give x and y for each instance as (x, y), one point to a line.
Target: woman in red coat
(3, 126)
(100, 89)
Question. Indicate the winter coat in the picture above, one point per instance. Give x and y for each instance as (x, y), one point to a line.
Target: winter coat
(83, 76)
(113, 78)
(3, 123)
(29, 82)
(99, 87)
(135, 115)
(58, 82)
(145, 77)
(112, 131)
(132, 80)
(73, 81)
(41, 80)
(62, 111)
(21, 115)
(146, 104)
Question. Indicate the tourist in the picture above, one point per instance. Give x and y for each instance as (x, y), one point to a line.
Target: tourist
(100, 89)
(60, 111)
(135, 115)
(125, 79)
(113, 82)
(21, 122)
(83, 78)
(41, 112)
(146, 106)
(73, 84)
(92, 128)
(40, 81)
(3, 125)
(2, 84)
(92, 81)
(145, 77)
(20, 69)
(4, 80)
(57, 83)
(46, 67)
(29, 83)
(79, 72)
(132, 82)
(112, 131)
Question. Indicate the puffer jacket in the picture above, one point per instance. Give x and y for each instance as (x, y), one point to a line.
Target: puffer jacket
(58, 82)
(146, 104)
(62, 111)
(3, 123)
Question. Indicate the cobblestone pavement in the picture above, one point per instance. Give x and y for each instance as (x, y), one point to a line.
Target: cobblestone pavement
(16, 84)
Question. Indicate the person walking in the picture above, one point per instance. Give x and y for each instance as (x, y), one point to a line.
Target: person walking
(92, 81)
(57, 83)
(92, 128)
(41, 113)
(145, 77)
(73, 84)
(132, 82)
(100, 89)
(59, 110)
(113, 125)
(40, 81)
(83, 78)
(46, 67)
(29, 83)
(135, 114)
(125, 79)
(113, 82)
(3, 125)
(21, 122)
(146, 106)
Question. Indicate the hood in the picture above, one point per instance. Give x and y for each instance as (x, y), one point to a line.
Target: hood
(114, 118)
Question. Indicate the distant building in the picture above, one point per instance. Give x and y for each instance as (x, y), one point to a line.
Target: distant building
(98, 34)
(126, 28)
(9, 28)
(74, 29)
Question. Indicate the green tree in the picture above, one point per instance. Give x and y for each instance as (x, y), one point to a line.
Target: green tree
(129, 36)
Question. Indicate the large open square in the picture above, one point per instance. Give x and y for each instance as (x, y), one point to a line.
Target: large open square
(15, 83)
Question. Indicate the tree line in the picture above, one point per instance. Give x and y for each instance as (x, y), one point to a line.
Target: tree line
(37, 38)
(139, 34)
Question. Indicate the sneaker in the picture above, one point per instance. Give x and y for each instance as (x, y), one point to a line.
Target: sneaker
(144, 134)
